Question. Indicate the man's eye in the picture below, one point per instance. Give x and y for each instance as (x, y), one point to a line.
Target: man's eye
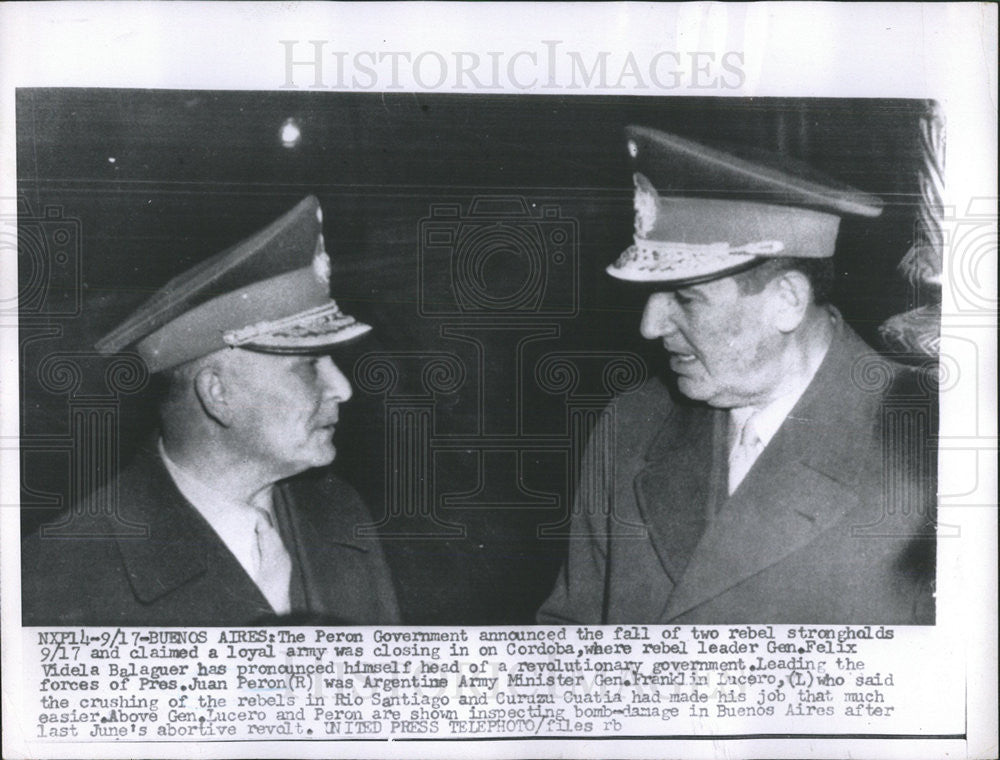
(683, 299)
(308, 367)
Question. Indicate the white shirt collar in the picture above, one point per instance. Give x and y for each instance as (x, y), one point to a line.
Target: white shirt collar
(768, 420)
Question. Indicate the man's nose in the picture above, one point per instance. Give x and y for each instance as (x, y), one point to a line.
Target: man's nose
(657, 317)
(337, 384)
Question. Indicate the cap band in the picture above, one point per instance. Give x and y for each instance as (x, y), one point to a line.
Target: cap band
(658, 260)
(680, 239)
(312, 329)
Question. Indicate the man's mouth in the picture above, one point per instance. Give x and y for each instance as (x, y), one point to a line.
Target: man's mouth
(679, 356)
(682, 358)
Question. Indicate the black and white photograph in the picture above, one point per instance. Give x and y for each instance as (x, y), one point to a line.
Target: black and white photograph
(439, 299)
(572, 400)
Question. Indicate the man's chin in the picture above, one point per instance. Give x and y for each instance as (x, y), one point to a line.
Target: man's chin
(327, 457)
(697, 391)
(692, 389)
(321, 457)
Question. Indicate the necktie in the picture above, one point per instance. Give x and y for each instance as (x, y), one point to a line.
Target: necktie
(274, 567)
(745, 452)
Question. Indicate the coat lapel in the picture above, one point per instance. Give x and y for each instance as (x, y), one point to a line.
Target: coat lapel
(674, 489)
(181, 548)
(183, 569)
(330, 557)
(802, 484)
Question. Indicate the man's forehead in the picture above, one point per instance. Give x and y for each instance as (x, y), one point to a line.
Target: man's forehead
(245, 360)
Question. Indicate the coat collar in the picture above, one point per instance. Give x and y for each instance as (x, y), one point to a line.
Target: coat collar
(674, 491)
(803, 482)
(316, 495)
(179, 546)
(322, 534)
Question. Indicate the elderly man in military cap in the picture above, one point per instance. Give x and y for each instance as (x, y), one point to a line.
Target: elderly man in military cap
(758, 484)
(235, 534)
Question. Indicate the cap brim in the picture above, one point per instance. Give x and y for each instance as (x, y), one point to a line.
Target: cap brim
(309, 346)
(683, 282)
(308, 332)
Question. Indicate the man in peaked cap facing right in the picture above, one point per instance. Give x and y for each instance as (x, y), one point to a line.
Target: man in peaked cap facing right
(234, 530)
(767, 479)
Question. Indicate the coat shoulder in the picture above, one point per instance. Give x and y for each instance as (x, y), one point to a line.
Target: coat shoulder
(342, 540)
(62, 563)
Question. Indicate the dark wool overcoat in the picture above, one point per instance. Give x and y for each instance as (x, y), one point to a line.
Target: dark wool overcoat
(833, 524)
(179, 572)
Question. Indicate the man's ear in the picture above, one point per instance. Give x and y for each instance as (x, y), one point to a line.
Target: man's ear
(210, 388)
(791, 296)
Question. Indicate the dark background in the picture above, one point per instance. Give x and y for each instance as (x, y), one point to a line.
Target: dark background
(119, 190)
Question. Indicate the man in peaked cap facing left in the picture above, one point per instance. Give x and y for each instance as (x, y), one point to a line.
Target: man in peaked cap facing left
(767, 480)
(233, 532)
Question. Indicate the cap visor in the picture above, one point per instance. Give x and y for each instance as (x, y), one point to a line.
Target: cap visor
(672, 283)
(308, 332)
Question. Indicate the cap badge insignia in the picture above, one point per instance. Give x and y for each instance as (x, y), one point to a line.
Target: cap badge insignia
(645, 206)
(321, 264)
